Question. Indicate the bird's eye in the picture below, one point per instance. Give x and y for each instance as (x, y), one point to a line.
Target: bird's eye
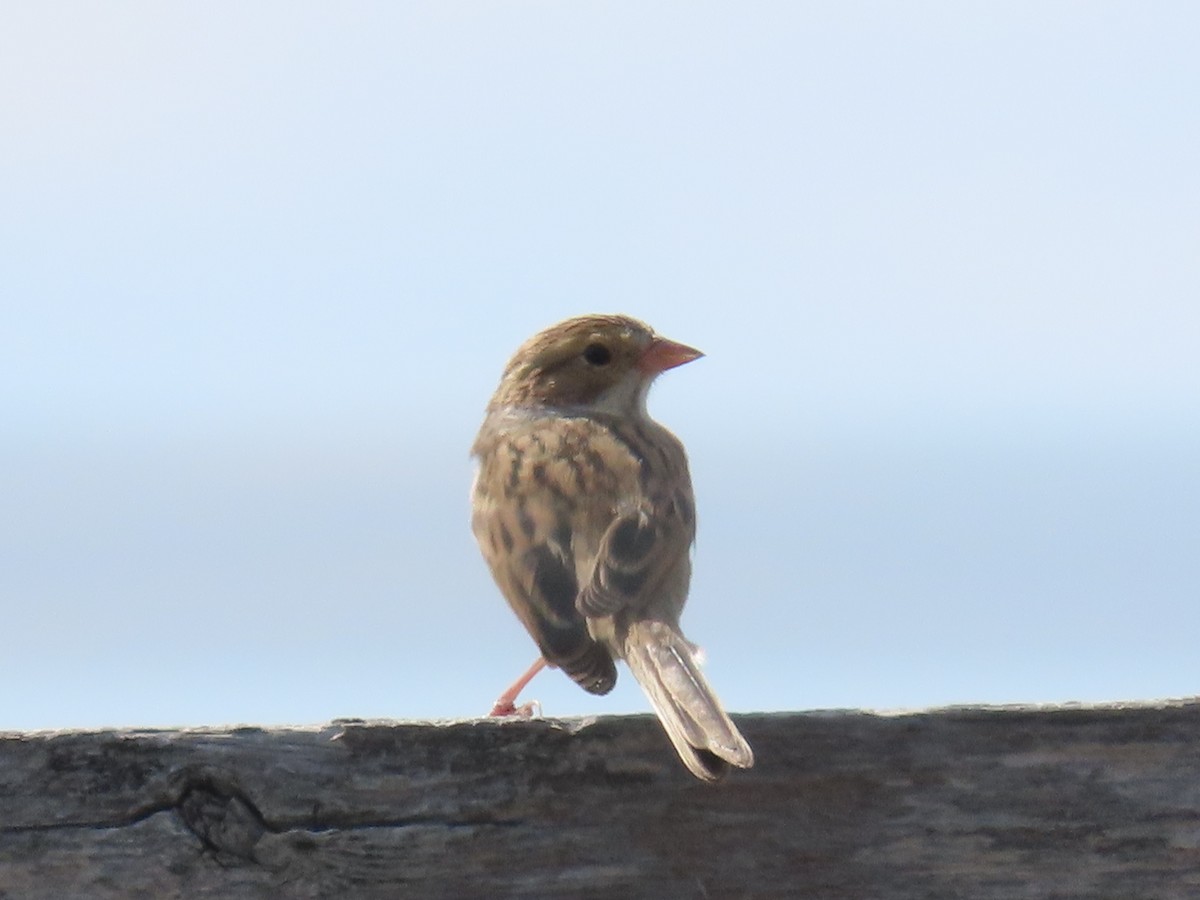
(597, 354)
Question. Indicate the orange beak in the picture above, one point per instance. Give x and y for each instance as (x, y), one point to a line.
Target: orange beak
(663, 354)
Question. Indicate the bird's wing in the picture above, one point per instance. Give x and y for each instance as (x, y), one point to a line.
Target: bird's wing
(642, 562)
(524, 528)
(638, 553)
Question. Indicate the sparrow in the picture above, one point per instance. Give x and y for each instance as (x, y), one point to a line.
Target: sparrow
(582, 506)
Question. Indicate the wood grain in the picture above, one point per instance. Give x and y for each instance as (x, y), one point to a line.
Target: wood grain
(955, 803)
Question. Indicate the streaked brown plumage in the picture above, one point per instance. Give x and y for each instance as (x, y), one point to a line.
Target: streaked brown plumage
(583, 509)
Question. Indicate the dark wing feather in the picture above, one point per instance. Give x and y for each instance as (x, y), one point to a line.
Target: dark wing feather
(637, 551)
(550, 616)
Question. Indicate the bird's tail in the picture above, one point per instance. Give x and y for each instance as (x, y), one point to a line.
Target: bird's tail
(665, 666)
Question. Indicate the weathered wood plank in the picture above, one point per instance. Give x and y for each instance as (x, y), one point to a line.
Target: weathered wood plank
(980, 803)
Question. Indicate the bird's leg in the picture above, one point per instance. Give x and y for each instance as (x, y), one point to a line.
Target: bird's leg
(505, 704)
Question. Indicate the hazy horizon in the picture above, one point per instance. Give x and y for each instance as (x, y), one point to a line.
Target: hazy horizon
(262, 270)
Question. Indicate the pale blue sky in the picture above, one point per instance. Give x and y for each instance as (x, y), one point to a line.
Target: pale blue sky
(261, 265)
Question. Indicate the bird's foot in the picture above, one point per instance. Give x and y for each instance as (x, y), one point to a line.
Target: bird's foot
(506, 703)
(504, 708)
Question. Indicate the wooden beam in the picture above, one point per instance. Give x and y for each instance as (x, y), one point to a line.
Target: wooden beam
(954, 803)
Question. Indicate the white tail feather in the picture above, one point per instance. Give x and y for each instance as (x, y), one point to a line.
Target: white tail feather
(664, 664)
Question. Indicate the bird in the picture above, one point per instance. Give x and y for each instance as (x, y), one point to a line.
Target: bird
(583, 509)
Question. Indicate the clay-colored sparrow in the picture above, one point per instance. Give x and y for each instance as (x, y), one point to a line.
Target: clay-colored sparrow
(583, 509)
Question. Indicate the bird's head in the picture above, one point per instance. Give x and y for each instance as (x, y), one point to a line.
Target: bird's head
(596, 362)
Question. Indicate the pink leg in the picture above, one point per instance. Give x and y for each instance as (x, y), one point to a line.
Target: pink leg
(505, 704)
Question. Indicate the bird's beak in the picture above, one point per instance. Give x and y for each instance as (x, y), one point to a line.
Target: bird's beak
(663, 354)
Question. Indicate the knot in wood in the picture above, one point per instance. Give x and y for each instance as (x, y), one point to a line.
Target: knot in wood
(225, 820)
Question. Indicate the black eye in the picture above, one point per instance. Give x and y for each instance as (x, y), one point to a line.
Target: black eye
(597, 354)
